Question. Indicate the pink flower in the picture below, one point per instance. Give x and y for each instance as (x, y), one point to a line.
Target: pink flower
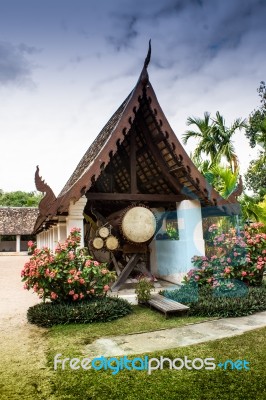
(82, 281)
(53, 295)
(81, 295)
(73, 230)
(230, 285)
(88, 263)
(96, 263)
(75, 296)
(71, 255)
(227, 270)
(69, 280)
(106, 288)
(104, 271)
(243, 273)
(71, 292)
(72, 271)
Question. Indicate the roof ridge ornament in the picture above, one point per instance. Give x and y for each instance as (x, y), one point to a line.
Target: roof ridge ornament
(148, 57)
(144, 77)
(42, 186)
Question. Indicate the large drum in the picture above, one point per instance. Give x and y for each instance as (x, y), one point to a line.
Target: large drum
(138, 224)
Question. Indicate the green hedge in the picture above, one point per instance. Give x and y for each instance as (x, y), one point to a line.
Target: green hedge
(206, 303)
(100, 310)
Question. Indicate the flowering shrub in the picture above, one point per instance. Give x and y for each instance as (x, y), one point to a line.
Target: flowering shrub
(31, 246)
(67, 275)
(240, 257)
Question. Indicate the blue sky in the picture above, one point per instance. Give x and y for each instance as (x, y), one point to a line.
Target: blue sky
(66, 66)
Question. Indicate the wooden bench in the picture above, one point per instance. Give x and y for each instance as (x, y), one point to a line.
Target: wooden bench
(167, 306)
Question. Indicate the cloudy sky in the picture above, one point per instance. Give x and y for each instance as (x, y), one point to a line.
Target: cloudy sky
(66, 66)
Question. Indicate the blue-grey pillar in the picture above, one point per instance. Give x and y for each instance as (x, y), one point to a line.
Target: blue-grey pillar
(190, 231)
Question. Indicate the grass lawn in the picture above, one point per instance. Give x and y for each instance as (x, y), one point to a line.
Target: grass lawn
(30, 380)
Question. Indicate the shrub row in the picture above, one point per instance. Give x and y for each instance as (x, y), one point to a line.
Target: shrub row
(206, 303)
(100, 310)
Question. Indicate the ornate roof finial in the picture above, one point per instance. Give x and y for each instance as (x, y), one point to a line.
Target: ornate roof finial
(148, 57)
(42, 186)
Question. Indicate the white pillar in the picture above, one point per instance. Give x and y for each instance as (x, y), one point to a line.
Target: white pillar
(46, 243)
(38, 240)
(55, 237)
(190, 230)
(75, 217)
(17, 243)
(62, 234)
(50, 238)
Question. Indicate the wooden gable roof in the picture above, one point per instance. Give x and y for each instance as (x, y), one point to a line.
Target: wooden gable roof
(137, 157)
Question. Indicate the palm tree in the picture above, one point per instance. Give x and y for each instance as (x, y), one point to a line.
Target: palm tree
(206, 143)
(215, 139)
(223, 135)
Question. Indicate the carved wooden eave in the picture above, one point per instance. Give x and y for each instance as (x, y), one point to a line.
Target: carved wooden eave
(139, 142)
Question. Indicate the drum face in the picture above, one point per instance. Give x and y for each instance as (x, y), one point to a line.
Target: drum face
(138, 224)
(98, 243)
(111, 243)
(104, 232)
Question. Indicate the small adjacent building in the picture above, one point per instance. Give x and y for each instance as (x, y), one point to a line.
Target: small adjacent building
(16, 228)
(130, 181)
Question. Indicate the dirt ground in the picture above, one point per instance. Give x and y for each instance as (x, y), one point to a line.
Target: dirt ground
(14, 299)
(20, 341)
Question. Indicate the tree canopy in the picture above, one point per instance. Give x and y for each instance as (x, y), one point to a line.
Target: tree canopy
(256, 129)
(214, 138)
(256, 133)
(19, 199)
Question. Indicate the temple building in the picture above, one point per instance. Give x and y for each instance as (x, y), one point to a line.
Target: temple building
(133, 179)
(16, 227)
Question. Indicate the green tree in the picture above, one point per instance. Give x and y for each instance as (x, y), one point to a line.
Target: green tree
(220, 177)
(206, 143)
(255, 176)
(214, 138)
(224, 135)
(256, 129)
(256, 133)
(252, 210)
(19, 199)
